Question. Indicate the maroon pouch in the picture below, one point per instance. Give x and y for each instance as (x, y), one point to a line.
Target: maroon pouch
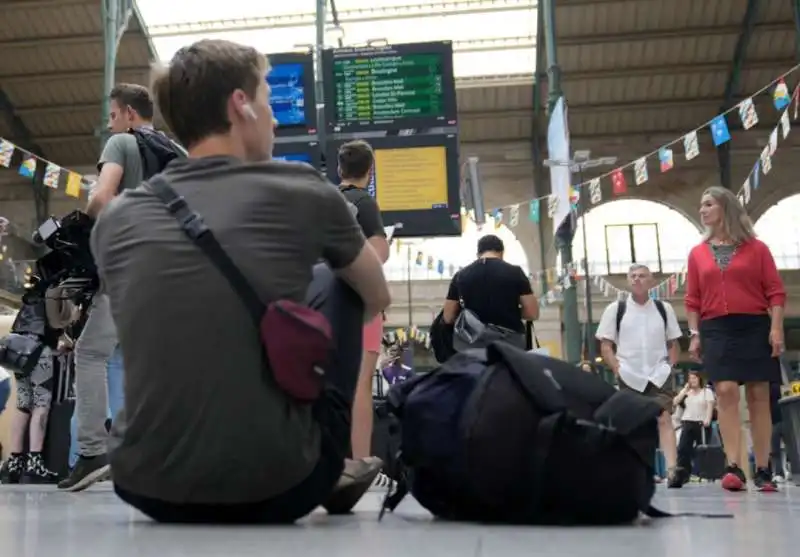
(298, 342)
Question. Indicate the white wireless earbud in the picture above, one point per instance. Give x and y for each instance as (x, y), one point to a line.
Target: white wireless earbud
(250, 112)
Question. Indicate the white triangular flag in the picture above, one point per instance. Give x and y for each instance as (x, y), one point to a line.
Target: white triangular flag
(690, 145)
(773, 142)
(552, 205)
(746, 191)
(785, 125)
(640, 170)
(766, 161)
(513, 216)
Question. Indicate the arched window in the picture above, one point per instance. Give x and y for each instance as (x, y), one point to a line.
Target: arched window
(779, 228)
(628, 231)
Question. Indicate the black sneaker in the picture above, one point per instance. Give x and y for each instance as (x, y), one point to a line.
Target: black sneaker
(677, 478)
(87, 471)
(763, 481)
(14, 468)
(355, 481)
(37, 473)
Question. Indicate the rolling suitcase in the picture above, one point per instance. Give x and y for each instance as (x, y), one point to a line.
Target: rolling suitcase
(709, 460)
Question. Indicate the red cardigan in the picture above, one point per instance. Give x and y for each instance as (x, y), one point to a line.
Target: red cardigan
(751, 284)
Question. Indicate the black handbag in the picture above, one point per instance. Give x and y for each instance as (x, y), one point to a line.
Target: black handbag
(20, 353)
(470, 332)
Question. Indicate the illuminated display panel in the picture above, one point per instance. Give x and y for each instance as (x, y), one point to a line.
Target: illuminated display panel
(408, 86)
(416, 183)
(308, 152)
(291, 82)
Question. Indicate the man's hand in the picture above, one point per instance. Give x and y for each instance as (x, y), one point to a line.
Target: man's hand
(706, 422)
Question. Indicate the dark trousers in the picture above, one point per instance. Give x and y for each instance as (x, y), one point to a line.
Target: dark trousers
(691, 435)
(345, 311)
(776, 454)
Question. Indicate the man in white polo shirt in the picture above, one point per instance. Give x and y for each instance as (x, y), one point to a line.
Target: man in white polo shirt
(639, 342)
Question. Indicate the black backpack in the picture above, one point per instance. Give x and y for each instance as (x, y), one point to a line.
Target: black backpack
(156, 150)
(501, 436)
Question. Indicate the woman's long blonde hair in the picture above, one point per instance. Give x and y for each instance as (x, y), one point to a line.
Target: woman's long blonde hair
(735, 222)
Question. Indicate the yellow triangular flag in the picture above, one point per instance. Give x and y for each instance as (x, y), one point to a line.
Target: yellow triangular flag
(73, 184)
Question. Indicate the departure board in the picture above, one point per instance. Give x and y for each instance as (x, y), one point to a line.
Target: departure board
(415, 183)
(394, 87)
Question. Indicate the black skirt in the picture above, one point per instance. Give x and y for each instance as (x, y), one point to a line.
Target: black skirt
(736, 348)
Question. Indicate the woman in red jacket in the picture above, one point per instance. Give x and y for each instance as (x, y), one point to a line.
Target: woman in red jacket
(734, 306)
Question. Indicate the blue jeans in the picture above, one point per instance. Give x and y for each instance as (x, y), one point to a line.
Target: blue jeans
(116, 400)
(5, 392)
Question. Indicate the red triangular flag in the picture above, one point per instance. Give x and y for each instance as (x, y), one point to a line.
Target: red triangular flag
(618, 182)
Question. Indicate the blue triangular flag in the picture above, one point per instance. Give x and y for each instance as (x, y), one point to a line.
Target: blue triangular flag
(755, 177)
(534, 211)
(719, 130)
(440, 267)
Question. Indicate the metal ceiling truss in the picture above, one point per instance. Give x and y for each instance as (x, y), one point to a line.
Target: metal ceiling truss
(498, 44)
(361, 15)
(733, 82)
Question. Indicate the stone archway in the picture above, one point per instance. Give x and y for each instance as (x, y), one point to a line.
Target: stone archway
(779, 228)
(662, 236)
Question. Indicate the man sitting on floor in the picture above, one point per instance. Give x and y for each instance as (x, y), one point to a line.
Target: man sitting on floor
(207, 435)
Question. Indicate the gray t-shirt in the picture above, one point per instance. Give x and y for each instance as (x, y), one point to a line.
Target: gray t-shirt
(123, 150)
(203, 424)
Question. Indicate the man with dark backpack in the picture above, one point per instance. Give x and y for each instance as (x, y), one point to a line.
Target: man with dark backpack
(639, 342)
(134, 153)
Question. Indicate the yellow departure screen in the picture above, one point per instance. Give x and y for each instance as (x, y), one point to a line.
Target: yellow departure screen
(411, 179)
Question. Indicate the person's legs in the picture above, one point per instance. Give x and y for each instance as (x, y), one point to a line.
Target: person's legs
(344, 310)
(776, 452)
(690, 432)
(20, 417)
(332, 413)
(116, 400)
(41, 381)
(116, 382)
(363, 410)
(92, 352)
(730, 430)
(758, 406)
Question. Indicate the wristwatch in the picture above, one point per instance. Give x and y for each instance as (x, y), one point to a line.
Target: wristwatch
(693, 333)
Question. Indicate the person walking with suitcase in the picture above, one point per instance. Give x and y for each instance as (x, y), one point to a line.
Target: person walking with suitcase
(639, 342)
(697, 403)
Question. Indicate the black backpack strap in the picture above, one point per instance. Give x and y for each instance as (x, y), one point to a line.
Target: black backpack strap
(200, 234)
(622, 305)
(661, 311)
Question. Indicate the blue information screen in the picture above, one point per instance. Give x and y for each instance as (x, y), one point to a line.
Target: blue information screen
(294, 157)
(288, 95)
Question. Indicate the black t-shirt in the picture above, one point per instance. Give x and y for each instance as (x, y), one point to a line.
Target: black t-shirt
(491, 288)
(369, 215)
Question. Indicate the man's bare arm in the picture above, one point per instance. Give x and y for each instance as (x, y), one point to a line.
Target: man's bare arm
(365, 275)
(381, 247)
(609, 357)
(674, 352)
(106, 188)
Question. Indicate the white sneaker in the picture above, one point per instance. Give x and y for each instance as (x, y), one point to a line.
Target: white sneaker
(382, 482)
(778, 479)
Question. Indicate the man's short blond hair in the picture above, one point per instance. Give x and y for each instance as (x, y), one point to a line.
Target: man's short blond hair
(193, 89)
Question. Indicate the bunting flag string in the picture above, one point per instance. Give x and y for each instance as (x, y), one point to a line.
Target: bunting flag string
(52, 175)
(666, 155)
